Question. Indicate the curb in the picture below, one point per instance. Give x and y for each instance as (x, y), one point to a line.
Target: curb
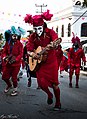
(83, 73)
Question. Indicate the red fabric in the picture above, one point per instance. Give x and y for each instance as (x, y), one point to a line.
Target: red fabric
(59, 54)
(64, 64)
(74, 58)
(17, 51)
(38, 20)
(11, 72)
(75, 39)
(48, 72)
(77, 70)
(57, 96)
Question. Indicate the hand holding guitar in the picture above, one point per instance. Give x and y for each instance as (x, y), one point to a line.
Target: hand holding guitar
(50, 46)
(9, 59)
(54, 44)
(35, 55)
(40, 54)
(12, 60)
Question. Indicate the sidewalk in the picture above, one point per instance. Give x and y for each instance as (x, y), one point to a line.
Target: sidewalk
(83, 72)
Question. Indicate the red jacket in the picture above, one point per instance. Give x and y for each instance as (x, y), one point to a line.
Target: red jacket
(17, 51)
(48, 71)
(74, 58)
(59, 54)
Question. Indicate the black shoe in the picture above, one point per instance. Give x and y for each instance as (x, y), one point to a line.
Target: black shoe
(57, 107)
(76, 86)
(18, 79)
(29, 83)
(50, 101)
(70, 85)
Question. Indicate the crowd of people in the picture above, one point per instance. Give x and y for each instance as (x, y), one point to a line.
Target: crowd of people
(42, 56)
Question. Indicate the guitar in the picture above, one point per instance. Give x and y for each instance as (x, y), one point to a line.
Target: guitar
(34, 64)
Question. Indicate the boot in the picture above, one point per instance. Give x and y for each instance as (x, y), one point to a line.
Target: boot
(57, 96)
(77, 80)
(70, 83)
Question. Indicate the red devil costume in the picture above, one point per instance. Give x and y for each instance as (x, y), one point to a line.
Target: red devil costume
(12, 54)
(75, 55)
(64, 63)
(59, 54)
(47, 74)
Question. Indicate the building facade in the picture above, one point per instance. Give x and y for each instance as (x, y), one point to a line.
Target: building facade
(71, 19)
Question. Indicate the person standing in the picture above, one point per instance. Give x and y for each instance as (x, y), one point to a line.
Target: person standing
(12, 54)
(47, 72)
(76, 53)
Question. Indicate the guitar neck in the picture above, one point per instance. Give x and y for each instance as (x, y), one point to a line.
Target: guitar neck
(40, 53)
(55, 43)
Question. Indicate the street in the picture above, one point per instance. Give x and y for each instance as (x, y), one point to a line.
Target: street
(31, 102)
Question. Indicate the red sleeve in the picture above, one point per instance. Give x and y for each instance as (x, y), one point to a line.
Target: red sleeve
(69, 57)
(83, 56)
(30, 45)
(4, 53)
(53, 34)
(18, 58)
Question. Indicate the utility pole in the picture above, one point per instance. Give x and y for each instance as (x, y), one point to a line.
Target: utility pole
(41, 6)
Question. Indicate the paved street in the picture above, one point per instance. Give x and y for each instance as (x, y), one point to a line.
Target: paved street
(31, 103)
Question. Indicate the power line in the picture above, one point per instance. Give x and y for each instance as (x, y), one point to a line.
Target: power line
(78, 18)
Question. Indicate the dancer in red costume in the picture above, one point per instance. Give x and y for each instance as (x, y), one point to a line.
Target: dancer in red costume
(64, 63)
(12, 54)
(47, 74)
(75, 55)
(59, 54)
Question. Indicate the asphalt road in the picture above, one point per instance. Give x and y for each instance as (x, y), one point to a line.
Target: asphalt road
(31, 103)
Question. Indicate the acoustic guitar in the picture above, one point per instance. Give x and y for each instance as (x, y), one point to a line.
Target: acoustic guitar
(34, 64)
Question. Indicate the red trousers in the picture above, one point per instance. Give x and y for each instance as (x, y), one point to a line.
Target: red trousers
(77, 70)
(10, 71)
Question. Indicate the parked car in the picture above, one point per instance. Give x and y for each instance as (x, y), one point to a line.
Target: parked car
(84, 66)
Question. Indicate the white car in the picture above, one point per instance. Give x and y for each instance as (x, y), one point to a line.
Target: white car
(66, 45)
(84, 66)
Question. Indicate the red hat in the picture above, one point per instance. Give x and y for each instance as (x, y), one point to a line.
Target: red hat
(38, 20)
(75, 39)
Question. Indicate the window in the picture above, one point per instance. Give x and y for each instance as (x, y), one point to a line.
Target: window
(78, 3)
(57, 29)
(69, 30)
(62, 34)
(84, 30)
